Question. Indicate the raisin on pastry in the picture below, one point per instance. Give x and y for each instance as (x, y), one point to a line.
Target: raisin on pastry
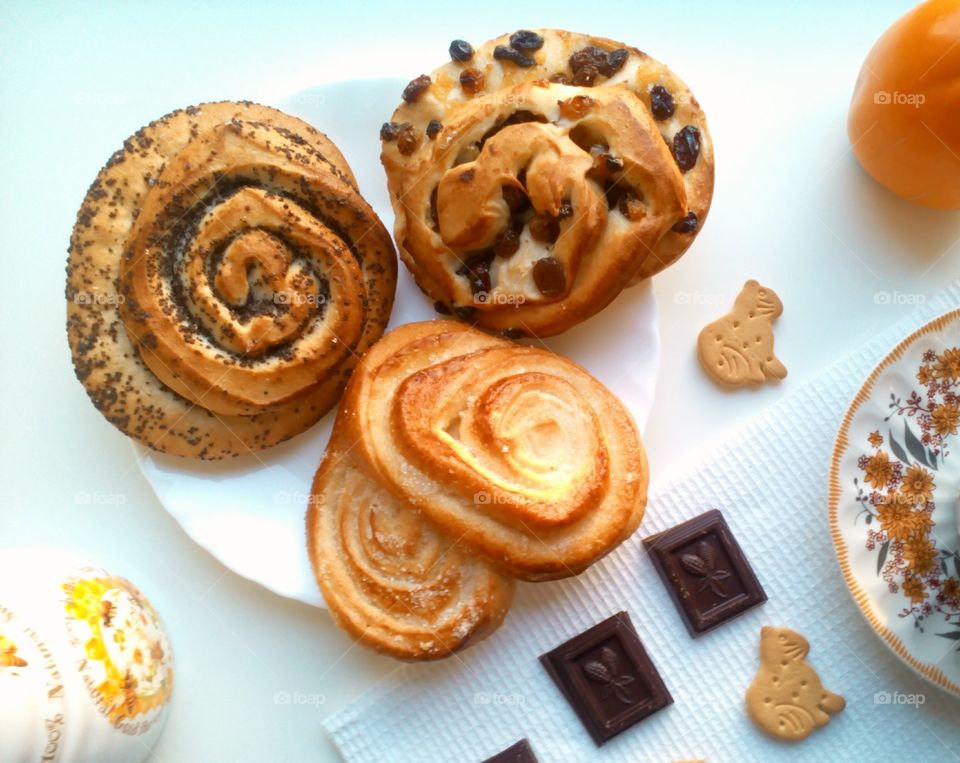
(542, 174)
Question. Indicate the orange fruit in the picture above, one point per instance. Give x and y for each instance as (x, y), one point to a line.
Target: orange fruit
(903, 123)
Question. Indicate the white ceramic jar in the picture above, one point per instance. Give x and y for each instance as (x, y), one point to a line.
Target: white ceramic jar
(86, 669)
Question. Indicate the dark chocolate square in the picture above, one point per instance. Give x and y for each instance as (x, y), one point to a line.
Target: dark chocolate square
(607, 677)
(705, 571)
(520, 752)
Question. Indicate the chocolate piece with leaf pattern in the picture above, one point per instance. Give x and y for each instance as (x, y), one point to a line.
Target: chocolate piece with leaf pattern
(607, 677)
(705, 571)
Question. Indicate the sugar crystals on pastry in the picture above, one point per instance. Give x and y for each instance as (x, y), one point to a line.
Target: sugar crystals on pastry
(458, 462)
(389, 576)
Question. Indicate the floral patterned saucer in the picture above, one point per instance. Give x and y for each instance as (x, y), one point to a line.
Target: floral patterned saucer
(892, 500)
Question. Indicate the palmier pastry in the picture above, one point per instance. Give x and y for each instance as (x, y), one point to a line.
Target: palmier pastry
(515, 452)
(458, 461)
(224, 275)
(390, 578)
(536, 176)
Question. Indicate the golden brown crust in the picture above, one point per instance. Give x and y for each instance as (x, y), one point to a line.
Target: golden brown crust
(224, 274)
(519, 130)
(516, 451)
(389, 577)
(459, 461)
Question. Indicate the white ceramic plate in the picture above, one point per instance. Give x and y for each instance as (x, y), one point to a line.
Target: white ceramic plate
(893, 490)
(249, 512)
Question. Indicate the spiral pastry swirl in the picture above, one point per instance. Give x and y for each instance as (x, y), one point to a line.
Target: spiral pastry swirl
(516, 452)
(238, 276)
(390, 578)
(537, 176)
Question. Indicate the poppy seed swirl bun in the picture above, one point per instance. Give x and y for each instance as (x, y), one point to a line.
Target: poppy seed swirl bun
(224, 276)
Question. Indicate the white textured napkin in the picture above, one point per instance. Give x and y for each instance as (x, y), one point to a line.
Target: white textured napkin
(769, 478)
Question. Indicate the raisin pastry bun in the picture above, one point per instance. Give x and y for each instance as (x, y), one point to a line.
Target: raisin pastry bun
(224, 275)
(535, 177)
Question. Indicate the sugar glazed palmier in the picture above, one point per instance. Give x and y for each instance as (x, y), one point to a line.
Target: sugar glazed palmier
(536, 176)
(390, 578)
(514, 459)
(224, 274)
